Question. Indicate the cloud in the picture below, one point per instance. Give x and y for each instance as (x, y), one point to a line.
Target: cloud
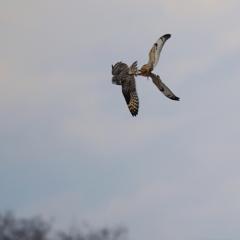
(204, 8)
(70, 146)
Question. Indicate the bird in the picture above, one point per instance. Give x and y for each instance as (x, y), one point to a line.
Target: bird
(124, 76)
(146, 70)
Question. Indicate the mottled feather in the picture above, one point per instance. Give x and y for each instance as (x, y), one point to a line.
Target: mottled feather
(163, 88)
(156, 49)
(123, 75)
(147, 69)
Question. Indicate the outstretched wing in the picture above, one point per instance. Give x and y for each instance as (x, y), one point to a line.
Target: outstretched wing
(123, 75)
(154, 53)
(163, 88)
(130, 94)
(133, 68)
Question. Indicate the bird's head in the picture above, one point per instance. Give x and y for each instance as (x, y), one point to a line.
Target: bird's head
(116, 80)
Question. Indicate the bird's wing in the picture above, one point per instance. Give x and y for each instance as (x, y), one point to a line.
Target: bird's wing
(130, 94)
(133, 68)
(163, 88)
(118, 68)
(156, 50)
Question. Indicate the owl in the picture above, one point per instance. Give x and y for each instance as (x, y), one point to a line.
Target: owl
(146, 70)
(124, 76)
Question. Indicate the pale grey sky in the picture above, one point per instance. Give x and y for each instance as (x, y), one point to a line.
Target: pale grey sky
(70, 149)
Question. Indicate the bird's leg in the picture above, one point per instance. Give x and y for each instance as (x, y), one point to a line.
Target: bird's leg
(138, 73)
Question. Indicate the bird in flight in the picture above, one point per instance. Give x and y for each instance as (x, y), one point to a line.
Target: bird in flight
(146, 70)
(124, 76)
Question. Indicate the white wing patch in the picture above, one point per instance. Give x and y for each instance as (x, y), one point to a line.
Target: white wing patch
(154, 53)
(163, 88)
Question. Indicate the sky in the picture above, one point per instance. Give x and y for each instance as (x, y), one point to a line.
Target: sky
(70, 149)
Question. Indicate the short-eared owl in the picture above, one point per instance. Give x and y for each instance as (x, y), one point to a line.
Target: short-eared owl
(123, 75)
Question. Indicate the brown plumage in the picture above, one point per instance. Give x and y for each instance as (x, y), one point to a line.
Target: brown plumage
(124, 76)
(163, 88)
(154, 55)
(146, 70)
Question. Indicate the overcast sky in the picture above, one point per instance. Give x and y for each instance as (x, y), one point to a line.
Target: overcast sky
(69, 147)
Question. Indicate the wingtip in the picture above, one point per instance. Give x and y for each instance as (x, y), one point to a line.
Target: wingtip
(176, 98)
(166, 36)
(134, 112)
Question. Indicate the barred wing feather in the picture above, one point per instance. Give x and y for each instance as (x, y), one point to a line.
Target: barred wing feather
(154, 53)
(163, 88)
(123, 75)
(130, 94)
